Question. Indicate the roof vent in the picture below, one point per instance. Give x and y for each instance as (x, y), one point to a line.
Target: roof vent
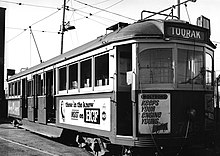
(117, 26)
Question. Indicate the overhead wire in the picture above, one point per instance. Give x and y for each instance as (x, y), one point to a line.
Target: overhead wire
(94, 14)
(89, 14)
(58, 9)
(95, 4)
(105, 10)
(91, 19)
(16, 36)
(32, 5)
(32, 25)
(45, 17)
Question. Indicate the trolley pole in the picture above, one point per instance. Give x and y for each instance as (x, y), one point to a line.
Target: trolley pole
(63, 25)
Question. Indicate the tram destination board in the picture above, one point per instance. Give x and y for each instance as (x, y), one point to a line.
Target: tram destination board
(186, 31)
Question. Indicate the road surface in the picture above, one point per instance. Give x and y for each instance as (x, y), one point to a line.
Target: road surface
(19, 142)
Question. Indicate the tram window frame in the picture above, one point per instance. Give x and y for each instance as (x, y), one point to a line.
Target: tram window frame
(62, 81)
(73, 76)
(15, 88)
(86, 72)
(29, 88)
(19, 88)
(209, 62)
(168, 69)
(101, 74)
(40, 84)
(10, 89)
(197, 75)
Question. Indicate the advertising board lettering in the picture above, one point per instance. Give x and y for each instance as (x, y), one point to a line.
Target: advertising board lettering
(75, 114)
(154, 113)
(92, 116)
(89, 113)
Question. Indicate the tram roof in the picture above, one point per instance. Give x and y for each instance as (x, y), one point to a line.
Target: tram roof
(146, 28)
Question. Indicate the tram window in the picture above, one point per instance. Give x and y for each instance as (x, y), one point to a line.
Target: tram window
(10, 89)
(40, 84)
(86, 73)
(19, 88)
(124, 65)
(29, 86)
(13, 89)
(73, 76)
(156, 66)
(208, 69)
(16, 89)
(190, 67)
(62, 78)
(102, 70)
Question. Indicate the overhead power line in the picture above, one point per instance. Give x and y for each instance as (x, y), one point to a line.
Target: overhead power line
(45, 17)
(32, 25)
(43, 31)
(32, 5)
(90, 19)
(95, 4)
(16, 36)
(105, 10)
(94, 14)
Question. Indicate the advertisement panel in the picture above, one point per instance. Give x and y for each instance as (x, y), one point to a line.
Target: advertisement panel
(90, 113)
(154, 113)
(14, 107)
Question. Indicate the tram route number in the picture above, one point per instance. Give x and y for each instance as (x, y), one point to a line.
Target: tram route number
(92, 116)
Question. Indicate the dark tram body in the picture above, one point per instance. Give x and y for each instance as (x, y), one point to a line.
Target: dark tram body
(147, 85)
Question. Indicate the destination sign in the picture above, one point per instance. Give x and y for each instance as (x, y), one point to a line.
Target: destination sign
(185, 32)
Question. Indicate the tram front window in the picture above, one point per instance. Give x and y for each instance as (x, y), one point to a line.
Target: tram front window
(190, 67)
(155, 66)
(208, 69)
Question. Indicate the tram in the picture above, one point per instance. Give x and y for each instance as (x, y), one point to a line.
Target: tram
(147, 85)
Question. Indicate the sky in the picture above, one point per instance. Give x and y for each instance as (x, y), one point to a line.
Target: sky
(90, 21)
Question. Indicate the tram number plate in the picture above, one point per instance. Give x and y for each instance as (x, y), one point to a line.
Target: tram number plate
(92, 116)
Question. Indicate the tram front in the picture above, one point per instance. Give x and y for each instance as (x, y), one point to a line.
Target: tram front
(172, 87)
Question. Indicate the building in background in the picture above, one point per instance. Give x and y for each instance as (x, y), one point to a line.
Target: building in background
(3, 108)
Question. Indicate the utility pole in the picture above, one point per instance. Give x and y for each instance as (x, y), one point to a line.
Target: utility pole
(63, 26)
(178, 9)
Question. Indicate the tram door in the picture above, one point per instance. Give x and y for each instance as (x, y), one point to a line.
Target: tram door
(50, 106)
(31, 100)
(35, 84)
(24, 98)
(124, 104)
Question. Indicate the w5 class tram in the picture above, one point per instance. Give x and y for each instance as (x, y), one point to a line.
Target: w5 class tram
(146, 85)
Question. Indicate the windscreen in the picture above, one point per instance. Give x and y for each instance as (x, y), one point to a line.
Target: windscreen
(155, 66)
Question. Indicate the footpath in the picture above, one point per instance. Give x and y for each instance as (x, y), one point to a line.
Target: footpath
(32, 140)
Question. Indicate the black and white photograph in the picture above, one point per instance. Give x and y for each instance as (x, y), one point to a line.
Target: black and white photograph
(109, 78)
